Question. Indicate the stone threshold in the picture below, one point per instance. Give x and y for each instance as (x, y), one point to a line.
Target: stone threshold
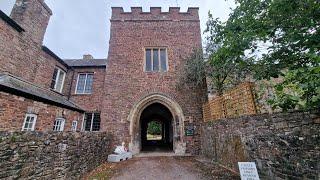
(159, 154)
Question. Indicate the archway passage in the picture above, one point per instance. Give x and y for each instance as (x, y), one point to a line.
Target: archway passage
(156, 128)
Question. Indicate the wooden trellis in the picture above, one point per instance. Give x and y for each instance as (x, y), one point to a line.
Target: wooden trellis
(234, 103)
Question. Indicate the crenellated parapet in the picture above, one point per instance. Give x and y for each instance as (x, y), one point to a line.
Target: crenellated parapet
(155, 14)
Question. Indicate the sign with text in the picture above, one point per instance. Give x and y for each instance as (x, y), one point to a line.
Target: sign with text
(189, 130)
(248, 171)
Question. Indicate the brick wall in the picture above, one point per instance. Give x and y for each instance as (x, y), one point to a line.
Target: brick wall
(33, 16)
(89, 102)
(283, 145)
(126, 83)
(51, 155)
(14, 108)
(21, 52)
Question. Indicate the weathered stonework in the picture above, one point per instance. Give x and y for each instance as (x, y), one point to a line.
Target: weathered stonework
(51, 155)
(119, 87)
(283, 145)
(126, 82)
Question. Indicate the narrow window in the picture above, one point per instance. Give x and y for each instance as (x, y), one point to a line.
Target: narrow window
(92, 122)
(74, 126)
(148, 60)
(29, 122)
(87, 121)
(58, 124)
(54, 77)
(156, 60)
(96, 122)
(84, 83)
(58, 80)
(163, 59)
(89, 82)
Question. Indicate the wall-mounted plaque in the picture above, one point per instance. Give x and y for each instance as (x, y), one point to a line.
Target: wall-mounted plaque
(189, 130)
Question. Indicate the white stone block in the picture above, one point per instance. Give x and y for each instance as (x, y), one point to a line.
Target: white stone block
(119, 157)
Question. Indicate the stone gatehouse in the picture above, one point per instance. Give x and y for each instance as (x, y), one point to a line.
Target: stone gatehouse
(136, 84)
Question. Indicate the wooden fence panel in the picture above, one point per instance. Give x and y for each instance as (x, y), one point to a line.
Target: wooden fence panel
(234, 103)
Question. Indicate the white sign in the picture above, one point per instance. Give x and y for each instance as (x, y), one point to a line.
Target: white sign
(248, 171)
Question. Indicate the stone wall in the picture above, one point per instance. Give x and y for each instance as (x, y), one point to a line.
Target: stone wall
(126, 81)
(51, 156)
(283, 145)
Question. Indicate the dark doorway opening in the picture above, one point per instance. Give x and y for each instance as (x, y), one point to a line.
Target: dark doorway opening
(156, 128)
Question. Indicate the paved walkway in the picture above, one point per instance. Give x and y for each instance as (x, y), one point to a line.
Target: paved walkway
(159, 168)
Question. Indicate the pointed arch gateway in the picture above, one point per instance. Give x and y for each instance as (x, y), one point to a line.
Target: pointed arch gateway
(177, 122)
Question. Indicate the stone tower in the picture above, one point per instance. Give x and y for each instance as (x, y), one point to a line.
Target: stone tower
(146, 54)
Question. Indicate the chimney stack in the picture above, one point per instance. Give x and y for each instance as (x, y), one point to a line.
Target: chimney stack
(87, 56)
(33, 16)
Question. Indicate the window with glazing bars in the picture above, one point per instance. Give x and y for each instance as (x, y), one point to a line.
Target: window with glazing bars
(29, 122)
(57, 79)
(58, 124)
(92, 121)
(84, 83)
(156, 60)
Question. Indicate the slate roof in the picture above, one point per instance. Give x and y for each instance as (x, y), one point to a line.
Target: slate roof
(86, 62)
(15, 85)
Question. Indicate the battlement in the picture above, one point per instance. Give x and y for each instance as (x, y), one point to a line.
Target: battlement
(155, 14)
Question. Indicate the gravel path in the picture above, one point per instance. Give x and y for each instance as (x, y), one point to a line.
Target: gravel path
(159, 168)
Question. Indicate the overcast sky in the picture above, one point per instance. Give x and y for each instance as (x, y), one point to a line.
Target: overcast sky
(80, 27)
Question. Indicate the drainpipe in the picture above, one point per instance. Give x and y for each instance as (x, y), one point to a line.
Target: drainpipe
(70, 88)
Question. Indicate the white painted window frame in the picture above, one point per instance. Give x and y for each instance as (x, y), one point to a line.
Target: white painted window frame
(82, 123)
(85, 83)
(74, 125)
(57, 78)
(34, 122)
(159, 56)
(61, 128)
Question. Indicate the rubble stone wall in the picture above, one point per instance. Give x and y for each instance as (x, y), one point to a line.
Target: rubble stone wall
(66, 155)
(283, 145)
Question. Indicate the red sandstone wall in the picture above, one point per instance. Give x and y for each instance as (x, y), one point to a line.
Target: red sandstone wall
(126, 82)
(14, 108)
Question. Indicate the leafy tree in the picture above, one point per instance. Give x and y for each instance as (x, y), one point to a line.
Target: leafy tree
(270, 38)
(154, 128)
(221, 69)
